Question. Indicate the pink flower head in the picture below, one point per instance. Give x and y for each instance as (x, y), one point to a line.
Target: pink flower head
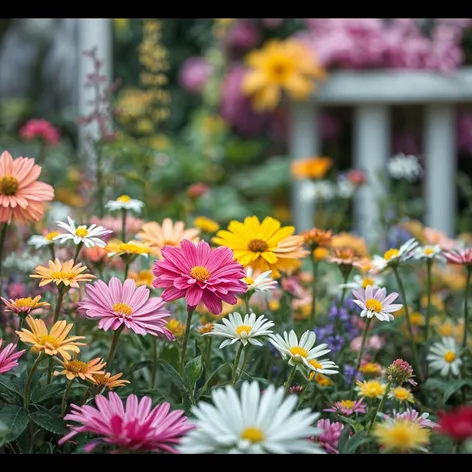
(243, 35)
(199, 274)
(373, 343)
(197, 190)
(347, 407)
(8, 357)
(16, 290)
(116, 304)
(414, 417)
(40, 129)
(356, 176)
(459, 256)
(400, 372)
(434, 237)
(374, 301)
(134, 427)
(194, 74)
(329, 440)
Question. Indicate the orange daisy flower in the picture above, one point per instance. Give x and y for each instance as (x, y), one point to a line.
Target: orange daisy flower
(66, 273)
(110, 381)
(83, 370)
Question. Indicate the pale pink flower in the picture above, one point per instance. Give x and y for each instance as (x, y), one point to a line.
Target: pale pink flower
(116, 304)
(374, 343)
(8, 357)
(194, 74)
(375, 301)
(40, 129)
(414, 417)
(347, 407)
(199, 274)
(329, 440)
(242, 36)
(459, 256)
(197, 190)
(436, 237)
(134, 427)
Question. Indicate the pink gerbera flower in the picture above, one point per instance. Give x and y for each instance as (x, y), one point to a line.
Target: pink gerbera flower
(347, 407)
(117, 304)
(135, 427)
(199, 274)
(459, 256)
(8, 357)
(21, 196)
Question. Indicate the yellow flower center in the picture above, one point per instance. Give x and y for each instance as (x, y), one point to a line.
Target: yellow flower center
(24, 302)
(416, 319)
(390, 253)
(315, 363)
(206, 328)
(81, 232)
(8, 185)
(248, 280)
(320, 253)
(175, 327)
(243, 329)
(257, 245)
(168, 242)
(122, 309)
(50, 236)
(370, 368)
(77, 367)
(450, 356)
(347, 404)
(49, 342)
(428, 251)
(366, 282)
(253, 435)
(279, 71)
(61, 275)
(123, 199)
(401, 393)
(373, 305)
(401, 436)
(200, 273)
(298, 351)
(321, 379)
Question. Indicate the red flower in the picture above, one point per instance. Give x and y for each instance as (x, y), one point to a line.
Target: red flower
(457, 423)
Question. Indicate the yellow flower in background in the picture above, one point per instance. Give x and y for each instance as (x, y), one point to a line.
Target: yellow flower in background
(321, 379)
(144, 277)
(65, 273)
(205, 224)
(417, 319)
(115, 247)
(282, 213)
(213, 124)
(69, 197)
(320, 253)
(436, 301)
(446, 329)
(176, 327)
(159, 142)
(224, 21)
(371, 388)
(311, 168)
(263, 245)
(370, 368)
(401, 394)
(133, 104)
(121, 23)
(416, 228)
(281, 66)
(401, 436)
(206, 328)
(274, 305)
(347, 240)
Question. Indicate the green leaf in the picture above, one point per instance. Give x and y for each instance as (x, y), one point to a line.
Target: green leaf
(343, 440)
(356, 441)
(192, 372)
(452, 388)
(137, 366)
(16, 419)
(49, 420)
(14, 384)
(173, 376)
(434, 384)
(210, 378)
(42, 393)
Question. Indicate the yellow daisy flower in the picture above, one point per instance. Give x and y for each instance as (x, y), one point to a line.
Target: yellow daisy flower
(371, 388)
(24, 306)
(115, 247)
(401, 394)
(65, 273)
(176, 327)
(145, 277)
(401, 436)
(206, 224)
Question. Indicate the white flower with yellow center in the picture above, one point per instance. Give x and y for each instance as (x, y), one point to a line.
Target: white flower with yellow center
(82, 234)
(40, 240)
(363, 281)
(425, 253)
(395, 257)
(298, 352)
(125, 202)
(246, 330)
(444, 356)
(375, 301)
(321, 366)
(262, 283)
(252, 423)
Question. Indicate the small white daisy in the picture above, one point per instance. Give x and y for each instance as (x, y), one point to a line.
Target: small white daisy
(395, 257)
(125, 202)
(359, 281)
(262, 283)
(345, 188)
(425, 253)
(252, 423)
(82, 234)
(237, 329)
(297, 352)
(375, 301)
(444, 356)
(321, 366)
(40, 240)
(404, 167)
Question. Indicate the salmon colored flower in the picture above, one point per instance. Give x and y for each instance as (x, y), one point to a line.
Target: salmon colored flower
(83, 370)
(65, 273)
(22, 197)
(110, 381)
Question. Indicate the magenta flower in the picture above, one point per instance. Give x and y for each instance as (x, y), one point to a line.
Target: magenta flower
(40, 129)
(199, 274)
(135, 427)
(194, 74)
(117, 304)
(347, 407)
(459, 256)
(329, 440)
(8, 357)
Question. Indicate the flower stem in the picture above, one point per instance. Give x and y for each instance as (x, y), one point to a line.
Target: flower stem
(380, 407)
(359, 360)
(2, 243)
(77, 251)
(466, 306)
(30, 378)
(346, 272)
(236, 363)
(114, 343)
(126, 269)
(190, 310)
(289, 380)
(429, 264)
(123, 224)
(247, 297)
(154, 362)
(52, 251)
(64, 397)
(407, 316)
(313, 288)
(60, 297)
(209, 341)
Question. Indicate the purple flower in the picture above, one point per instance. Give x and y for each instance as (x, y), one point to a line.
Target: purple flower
(349, 372)
(335, 343)
(194, 74)
(323, 333)
(396, 237)
(244, 35)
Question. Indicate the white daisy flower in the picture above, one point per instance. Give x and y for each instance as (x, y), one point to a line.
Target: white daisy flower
(394, 257)
(41, 240)
(404, 167)
(82, 234)
(236, 329)
(297, 352)
(444, 356)
(359, 281)
(375, 301)
(321, 366)
(262, 283)
(125, 202)
(345, 188)
(252, 423)
(425, 253)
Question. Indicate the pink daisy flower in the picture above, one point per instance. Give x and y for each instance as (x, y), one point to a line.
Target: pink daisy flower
(117, 304)
(134, 427)
(459, 256)
(347, 407)
(8, 357)
(199, 274)
(414, 417)
(374, 301)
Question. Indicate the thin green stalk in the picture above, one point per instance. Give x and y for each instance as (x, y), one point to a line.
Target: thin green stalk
(209, 341)
(288, 384)
(64, 397)
(77, 251)
(2, 243)
(407, 316)
(236, 363)
(99, 180)
(52, 251)
(429, 264)
(346, 272)
(114, 343)
(313, 288)
(466, 306)
(126, 269)
(190, 310)
(380, 407)
(241, 369)
(124, 213)
(60, 297)
(247, 297)
(154, 361)
(359, 360)
(30, 378)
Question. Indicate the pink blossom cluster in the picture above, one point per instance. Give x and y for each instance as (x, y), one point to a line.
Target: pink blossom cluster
(194, 74)
(42, 130)
(407, 43)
